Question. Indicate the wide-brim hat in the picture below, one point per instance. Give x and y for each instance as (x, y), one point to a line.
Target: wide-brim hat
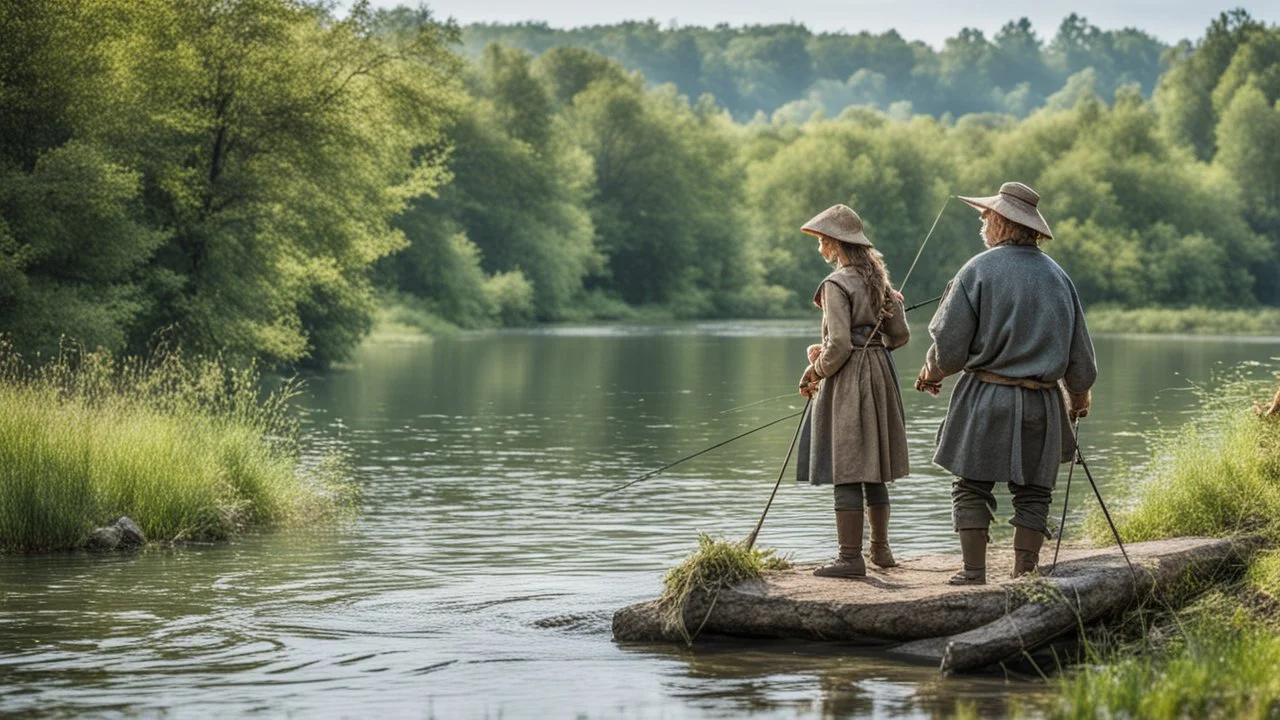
(1016, 202)
(838, 222)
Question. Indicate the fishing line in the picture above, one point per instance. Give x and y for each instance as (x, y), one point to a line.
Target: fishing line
(1105, 513)
(758, 402)
(704, 451)
(1062, 525)
(1075, 436)
(920, 252)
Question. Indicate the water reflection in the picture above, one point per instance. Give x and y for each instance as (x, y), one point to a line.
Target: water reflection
(482, 573)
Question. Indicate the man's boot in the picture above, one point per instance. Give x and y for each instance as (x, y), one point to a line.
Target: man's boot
(849, 534)
(1026, 550)
(973, 547)
(878, 519)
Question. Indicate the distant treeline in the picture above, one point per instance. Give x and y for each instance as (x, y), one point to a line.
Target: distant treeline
(256, 176)
(791, 70)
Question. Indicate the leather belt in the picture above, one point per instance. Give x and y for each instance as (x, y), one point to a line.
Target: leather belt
(987, 376)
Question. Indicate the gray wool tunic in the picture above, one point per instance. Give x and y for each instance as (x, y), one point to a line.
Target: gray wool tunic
(1012, 311)
(855, 431)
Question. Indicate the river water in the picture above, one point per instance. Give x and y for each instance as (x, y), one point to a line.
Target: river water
(479, 579)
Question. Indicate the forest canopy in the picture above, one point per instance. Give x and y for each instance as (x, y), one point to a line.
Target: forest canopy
(257, 177)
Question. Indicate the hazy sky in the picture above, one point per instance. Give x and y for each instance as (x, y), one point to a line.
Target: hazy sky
(928, 20)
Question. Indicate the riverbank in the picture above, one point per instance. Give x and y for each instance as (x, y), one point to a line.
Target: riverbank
(1218, 475)
(187, 448)
(404, 321)
(1185, 321)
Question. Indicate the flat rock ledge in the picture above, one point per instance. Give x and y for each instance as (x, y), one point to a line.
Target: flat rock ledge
(912, 611)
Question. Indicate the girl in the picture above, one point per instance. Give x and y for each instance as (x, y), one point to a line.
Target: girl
(857, 435)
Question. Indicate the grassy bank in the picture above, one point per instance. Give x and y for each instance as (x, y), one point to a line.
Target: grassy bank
(187, 448)
(402, 318)
(1185, 321)
(1220, 657)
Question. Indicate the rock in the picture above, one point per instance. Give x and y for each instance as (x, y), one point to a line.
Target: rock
(131, 536)
(912, 610)
(103, 539)
(123, 535)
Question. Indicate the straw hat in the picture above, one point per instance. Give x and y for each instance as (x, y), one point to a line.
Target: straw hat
(838, 222)
(1016, 202)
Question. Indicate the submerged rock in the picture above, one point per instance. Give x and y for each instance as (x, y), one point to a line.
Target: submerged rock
(913, 611)
(123, 535)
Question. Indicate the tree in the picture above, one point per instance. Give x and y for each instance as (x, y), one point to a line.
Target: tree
(1248, 140)
(227, 169)
(74, 243)
(1185, 94)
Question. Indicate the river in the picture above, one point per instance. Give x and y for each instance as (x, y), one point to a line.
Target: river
(479, 578)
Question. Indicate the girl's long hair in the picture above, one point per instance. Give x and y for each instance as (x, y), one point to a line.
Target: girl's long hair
(869, 264)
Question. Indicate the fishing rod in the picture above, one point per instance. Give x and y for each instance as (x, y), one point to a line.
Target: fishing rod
(751, 539)
(1075, 436)
(922, 304)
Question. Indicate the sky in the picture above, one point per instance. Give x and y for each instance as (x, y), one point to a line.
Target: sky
(930, 20)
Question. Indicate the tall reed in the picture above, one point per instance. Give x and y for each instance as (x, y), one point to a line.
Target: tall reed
(188, 447)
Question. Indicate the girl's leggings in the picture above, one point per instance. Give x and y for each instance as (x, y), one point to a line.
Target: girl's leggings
(849, 496)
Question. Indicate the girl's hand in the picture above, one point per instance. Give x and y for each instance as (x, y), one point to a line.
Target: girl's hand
(809, 383)
(813, 353)
(898, 296)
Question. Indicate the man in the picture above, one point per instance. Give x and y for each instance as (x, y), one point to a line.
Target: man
(1011, 321)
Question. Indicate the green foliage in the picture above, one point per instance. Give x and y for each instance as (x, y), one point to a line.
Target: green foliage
(1185, 321)
(225, 169)
(519, 193)
(1264, 574)
(187, 448)
(251, 175)
(765, 68)
(1223, 669)
(715, 565)
(1218, 475)
(1188, 94)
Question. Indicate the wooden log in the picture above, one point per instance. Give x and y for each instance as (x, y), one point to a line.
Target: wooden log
(1082, 593)
(913, 610)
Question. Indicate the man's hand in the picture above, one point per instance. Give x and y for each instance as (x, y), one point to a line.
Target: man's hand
(1078, 404)
(809, 382)
(926, 384)
(813, 352)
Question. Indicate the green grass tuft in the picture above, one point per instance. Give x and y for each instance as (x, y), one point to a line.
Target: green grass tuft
(715, 565)
(189, 449)
(1218, 475)
(1264, 574)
